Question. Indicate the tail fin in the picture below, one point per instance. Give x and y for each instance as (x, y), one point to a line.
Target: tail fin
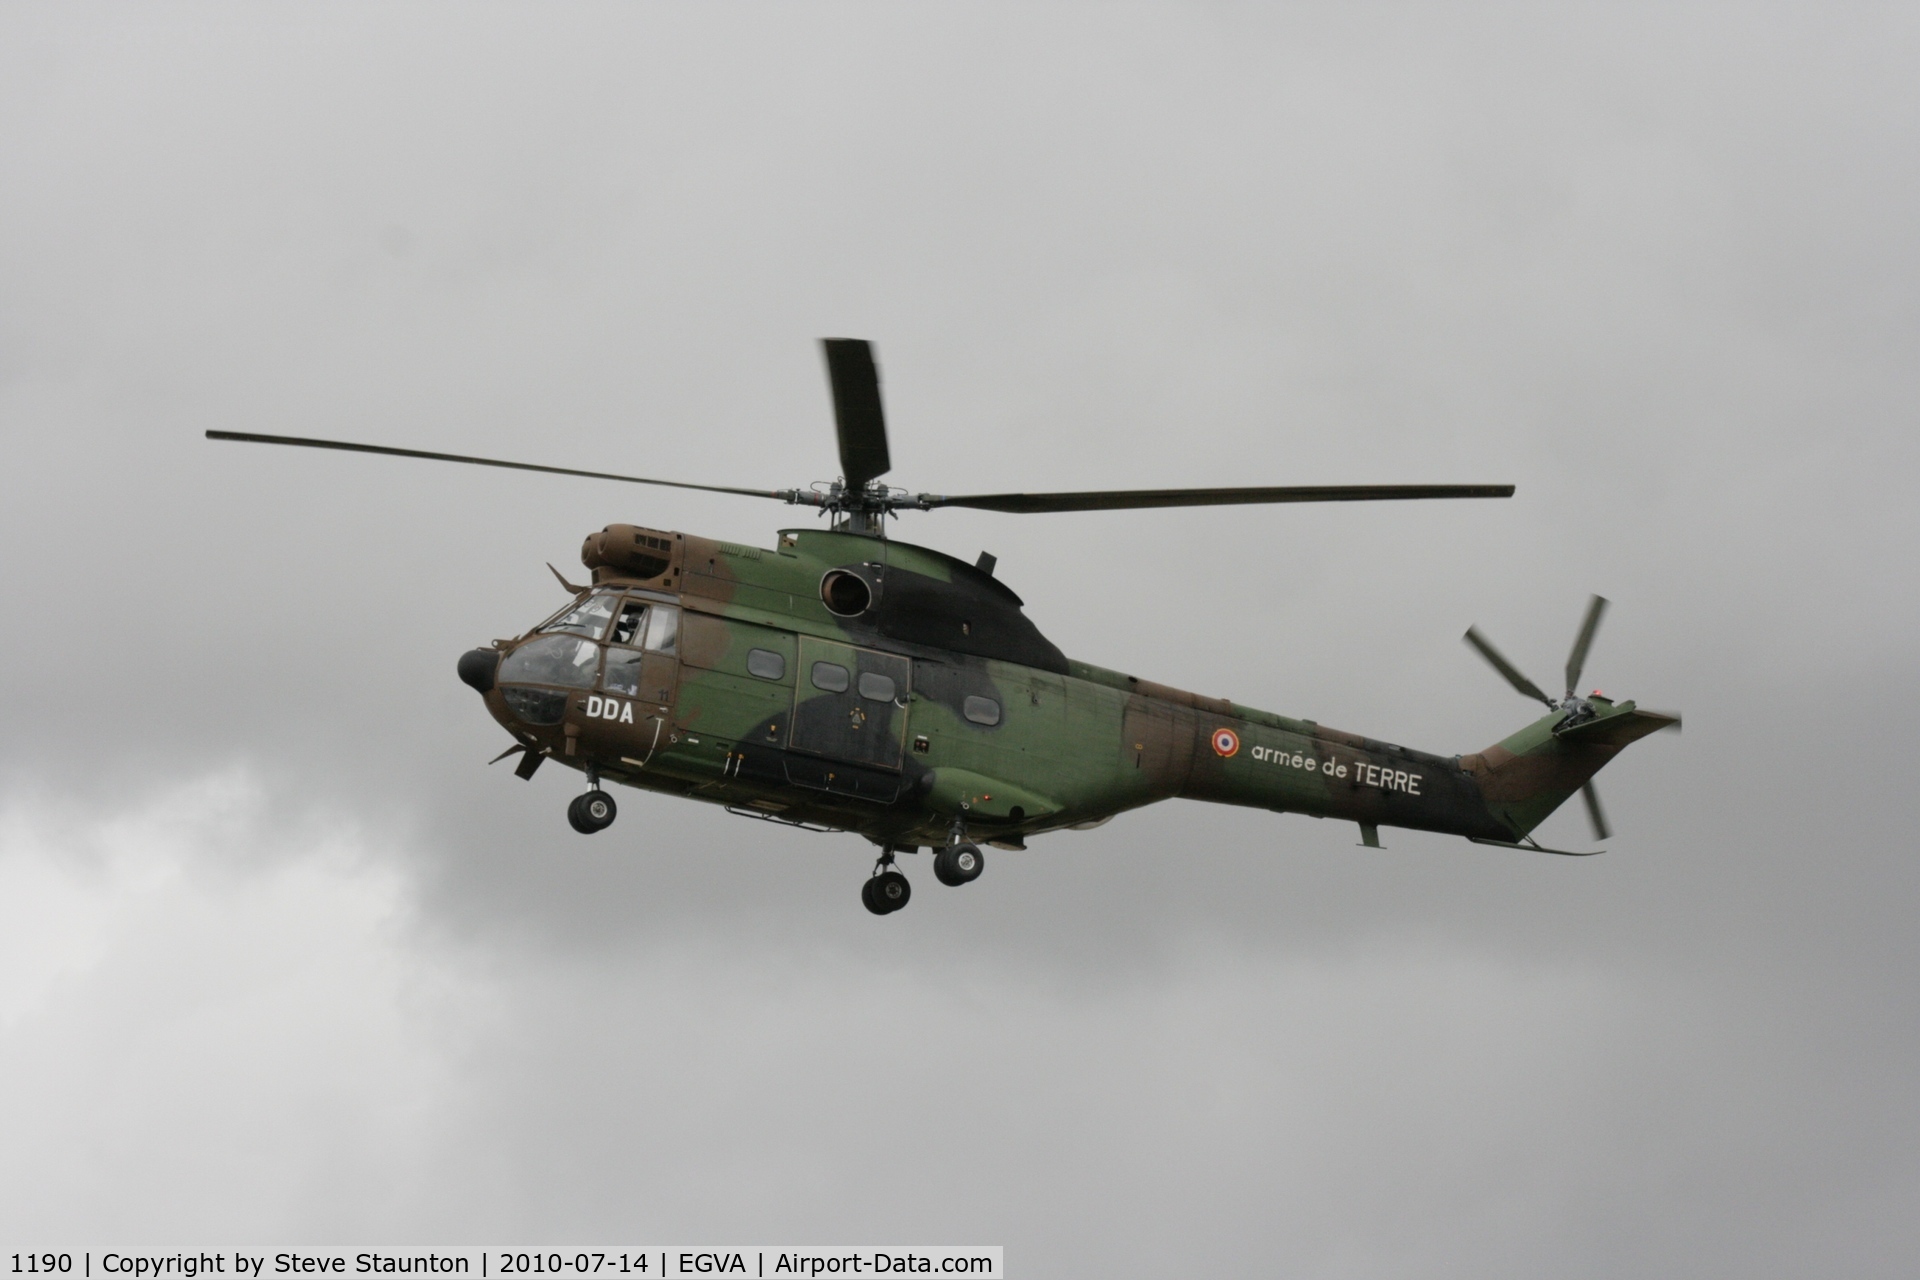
(1529, 775)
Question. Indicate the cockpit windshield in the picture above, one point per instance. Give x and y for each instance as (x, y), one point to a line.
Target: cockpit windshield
(588, 618)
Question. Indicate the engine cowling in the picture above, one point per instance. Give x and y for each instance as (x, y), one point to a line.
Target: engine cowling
(630, 553)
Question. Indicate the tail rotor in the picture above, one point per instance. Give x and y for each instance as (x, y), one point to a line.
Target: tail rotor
(1596, 608)
(1526, 687)
(1576, 707)
(1595, 814)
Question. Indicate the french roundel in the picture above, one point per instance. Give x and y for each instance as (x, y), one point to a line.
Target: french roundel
(1226, 741)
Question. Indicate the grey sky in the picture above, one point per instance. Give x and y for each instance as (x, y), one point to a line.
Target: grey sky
(280, 959)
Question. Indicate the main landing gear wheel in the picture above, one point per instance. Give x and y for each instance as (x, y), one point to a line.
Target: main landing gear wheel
(886, 892)
(591, 812)
(958, 864)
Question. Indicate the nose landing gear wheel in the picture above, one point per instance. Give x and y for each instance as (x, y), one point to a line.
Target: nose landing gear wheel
(591, 812)
(886, 892)
(958, 864)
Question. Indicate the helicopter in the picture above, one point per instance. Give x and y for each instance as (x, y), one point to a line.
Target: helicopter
(843, 680)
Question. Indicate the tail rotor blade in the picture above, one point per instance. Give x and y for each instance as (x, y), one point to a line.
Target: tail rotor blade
(1595, 815)
(1578, 658)
(1505, 668)
(857, 414)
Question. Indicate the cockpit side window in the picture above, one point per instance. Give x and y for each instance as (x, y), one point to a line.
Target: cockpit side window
(623, 672)
(631, 615)
(588, 618)
(663, 627)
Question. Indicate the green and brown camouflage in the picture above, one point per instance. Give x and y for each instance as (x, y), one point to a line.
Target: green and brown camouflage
(845, 681)
(849, 682)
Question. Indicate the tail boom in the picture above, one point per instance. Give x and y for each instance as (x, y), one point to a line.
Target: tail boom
(1250, 757)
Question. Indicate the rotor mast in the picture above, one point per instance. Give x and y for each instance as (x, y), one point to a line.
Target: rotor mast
(862, 518)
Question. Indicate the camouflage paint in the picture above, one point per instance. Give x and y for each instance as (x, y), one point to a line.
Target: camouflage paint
(734, 714)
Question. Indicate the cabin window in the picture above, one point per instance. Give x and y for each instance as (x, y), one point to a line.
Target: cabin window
(830, 677)
(623, 672)
(663, 627)
(552, 660)
(876, 686)
(631, 615)
(588, 618)
(980, 710)
(766, 664)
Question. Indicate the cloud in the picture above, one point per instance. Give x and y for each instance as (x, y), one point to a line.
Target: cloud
(208, 1022)
(283, 957)
(217, 1030)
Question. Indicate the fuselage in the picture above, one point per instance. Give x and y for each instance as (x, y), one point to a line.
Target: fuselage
(855, 683)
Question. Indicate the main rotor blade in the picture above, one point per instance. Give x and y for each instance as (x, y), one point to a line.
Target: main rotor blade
(1591, 794)
(857, 414)
(1130, 499)
(1505, 668)
(248, 437)
(1578, 658)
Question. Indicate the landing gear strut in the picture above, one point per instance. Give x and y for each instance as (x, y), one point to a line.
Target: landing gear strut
(886, 889)
(594, 811)
(961, 862)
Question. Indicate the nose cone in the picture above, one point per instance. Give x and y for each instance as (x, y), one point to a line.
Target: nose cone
(477, 667)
